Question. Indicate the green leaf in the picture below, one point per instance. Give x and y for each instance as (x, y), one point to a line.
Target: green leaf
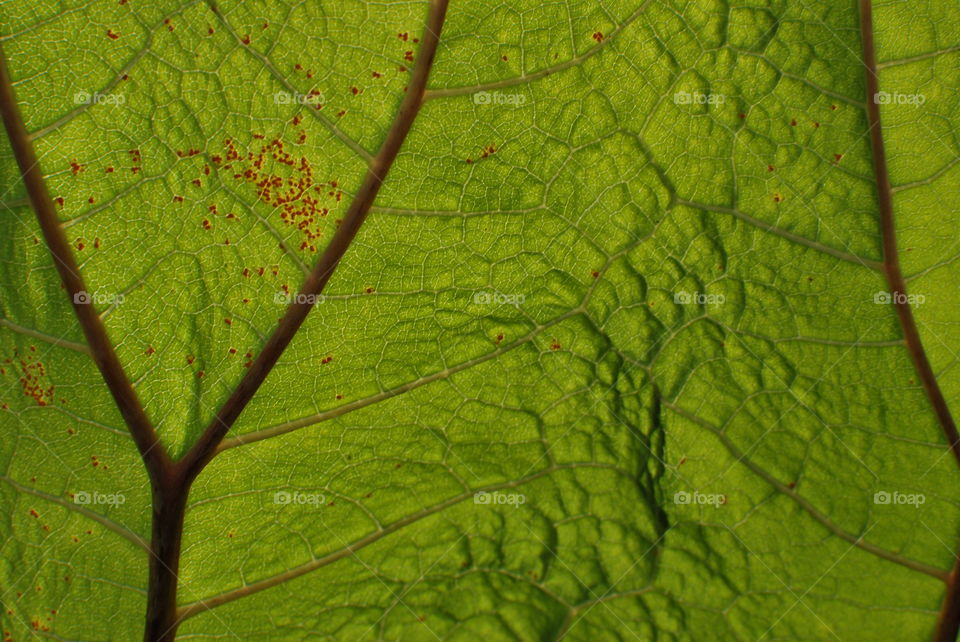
(618, 352)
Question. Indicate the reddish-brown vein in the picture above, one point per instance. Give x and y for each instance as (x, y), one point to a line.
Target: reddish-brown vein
(313, 285)
(101, 349)
(170, 480)
(948, 623)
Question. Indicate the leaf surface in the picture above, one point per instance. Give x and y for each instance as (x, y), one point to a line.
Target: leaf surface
(582, 290)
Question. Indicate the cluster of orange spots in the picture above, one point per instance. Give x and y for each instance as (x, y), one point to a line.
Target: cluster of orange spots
(290, 187)
(299, 67)
(169, 25)
(778, 198)
(136, 159)
(408, 56)
(37, 625)
(597, 36)
(326, 359)
(113, 35)
(108, 170)
(487, 151)
(32, 373)
(75, 167)
(555, 345)
(189, 152)
(96, 463)
(377, 74)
